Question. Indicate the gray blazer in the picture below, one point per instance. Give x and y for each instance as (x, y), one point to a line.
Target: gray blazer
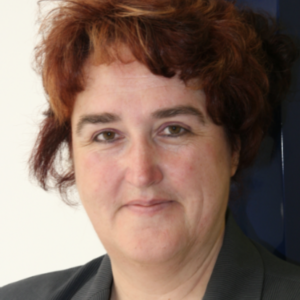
(244, 271)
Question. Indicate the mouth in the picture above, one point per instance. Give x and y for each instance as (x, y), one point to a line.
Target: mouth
(149, 206)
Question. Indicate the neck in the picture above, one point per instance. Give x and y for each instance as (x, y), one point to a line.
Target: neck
(178, 279)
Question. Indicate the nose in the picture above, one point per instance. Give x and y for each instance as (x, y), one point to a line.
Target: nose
(142, 165)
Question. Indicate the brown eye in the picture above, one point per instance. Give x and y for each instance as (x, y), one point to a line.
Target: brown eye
(106, 136)
(174, 129)
(109, 135)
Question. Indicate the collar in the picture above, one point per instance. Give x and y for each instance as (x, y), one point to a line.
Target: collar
(239, 270)
(99, 286)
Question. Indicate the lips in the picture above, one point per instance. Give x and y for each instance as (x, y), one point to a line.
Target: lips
(148, 206)
(148, 202)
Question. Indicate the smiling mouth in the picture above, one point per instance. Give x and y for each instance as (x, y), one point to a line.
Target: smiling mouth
(148, 207)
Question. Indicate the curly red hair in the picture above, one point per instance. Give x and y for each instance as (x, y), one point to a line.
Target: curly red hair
(240, 59)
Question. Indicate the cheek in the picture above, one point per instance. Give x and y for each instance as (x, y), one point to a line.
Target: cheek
(188, 165)
(201, 170)
(96, 177)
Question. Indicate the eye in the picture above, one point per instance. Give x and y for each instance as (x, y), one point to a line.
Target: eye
(106, 136)
(174, 130)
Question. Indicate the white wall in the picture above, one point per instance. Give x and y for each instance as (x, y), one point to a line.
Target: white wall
(38, 233)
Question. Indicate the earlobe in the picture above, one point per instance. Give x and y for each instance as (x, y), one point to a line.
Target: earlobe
(235, 158)
(234, 163)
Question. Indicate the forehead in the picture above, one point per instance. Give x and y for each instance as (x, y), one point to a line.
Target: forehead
(120, 87)
(131, 76)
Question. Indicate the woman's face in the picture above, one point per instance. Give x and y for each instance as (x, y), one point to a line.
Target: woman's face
(152, 170)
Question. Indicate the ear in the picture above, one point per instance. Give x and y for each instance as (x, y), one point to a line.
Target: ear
(235, 157)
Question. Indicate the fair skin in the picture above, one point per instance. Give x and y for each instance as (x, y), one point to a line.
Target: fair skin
(153, 173)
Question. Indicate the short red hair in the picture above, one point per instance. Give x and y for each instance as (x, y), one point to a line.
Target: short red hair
(239, 57)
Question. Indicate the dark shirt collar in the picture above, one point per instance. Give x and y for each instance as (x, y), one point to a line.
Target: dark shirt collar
(99, 286)
(239, 271)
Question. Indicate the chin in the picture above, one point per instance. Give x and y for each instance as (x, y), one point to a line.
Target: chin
(151, 246)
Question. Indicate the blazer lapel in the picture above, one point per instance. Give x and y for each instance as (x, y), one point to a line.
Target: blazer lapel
(99, 287)
(239, 271)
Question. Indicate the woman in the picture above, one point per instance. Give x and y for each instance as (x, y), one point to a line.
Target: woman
(160, 105)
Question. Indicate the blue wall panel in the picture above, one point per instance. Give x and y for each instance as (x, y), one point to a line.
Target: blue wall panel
(270, 6)
(269, 211)
(289, 15)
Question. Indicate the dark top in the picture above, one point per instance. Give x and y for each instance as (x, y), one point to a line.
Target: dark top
(244, 271)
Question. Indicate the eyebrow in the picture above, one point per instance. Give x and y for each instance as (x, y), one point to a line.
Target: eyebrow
(179, 110)
(158, 114)
(95, 119)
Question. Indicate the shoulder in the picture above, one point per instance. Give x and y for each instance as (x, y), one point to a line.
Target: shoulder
(36, 287)
(250, 271)
(281, 278)
(45, 285)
